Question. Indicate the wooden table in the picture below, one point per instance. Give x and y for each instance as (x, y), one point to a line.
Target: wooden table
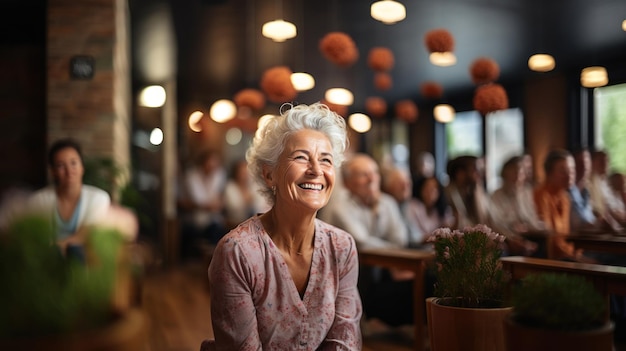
(607, 279)
(609, 243)
(409, 259)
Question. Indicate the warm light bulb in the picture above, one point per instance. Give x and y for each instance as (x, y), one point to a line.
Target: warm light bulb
(360, 122)
(156, 136)
(302, 81)
(194, 120)
(388, 11)
(443, 59)
(152, 96)
(279, 30)
(593, 77)
(223, 111)
(444, 113)
(541, 63)
(339, 96)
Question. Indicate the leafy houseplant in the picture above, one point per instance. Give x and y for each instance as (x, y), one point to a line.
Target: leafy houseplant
(53, 299)
(558, 311)
(469, 273)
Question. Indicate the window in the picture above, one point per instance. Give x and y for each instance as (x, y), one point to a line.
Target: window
(464, 135)
(610, 124)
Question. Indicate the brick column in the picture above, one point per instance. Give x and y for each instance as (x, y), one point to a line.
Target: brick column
(96, 110)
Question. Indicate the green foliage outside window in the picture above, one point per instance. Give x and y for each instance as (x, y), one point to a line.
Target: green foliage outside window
(611, 120)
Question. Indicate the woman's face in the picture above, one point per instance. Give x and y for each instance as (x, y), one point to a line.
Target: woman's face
(430, 192)
(305, 174)
(67, 168)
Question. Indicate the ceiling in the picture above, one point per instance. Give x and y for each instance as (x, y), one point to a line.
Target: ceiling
(215, 48)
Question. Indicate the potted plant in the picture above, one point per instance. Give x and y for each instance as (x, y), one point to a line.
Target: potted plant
(558, 311)
(469, 304)
(52, 302)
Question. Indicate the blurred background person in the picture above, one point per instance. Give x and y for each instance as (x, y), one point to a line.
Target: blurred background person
(397, 183)
(513, 209)
(71, 204)
(430, 209)
(202, 204)
(466, 193)
(617, 201)
(242, 199)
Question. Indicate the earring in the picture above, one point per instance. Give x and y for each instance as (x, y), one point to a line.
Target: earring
(274, 189)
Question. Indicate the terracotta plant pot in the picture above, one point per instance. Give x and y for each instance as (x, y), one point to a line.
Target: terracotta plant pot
(127, 333)
(467, 329)
(521, 338)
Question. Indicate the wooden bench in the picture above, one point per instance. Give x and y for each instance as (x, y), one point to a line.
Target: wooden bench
(607, 279)
(406, 259)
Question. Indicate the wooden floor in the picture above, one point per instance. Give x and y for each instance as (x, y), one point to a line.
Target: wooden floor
(176, 301)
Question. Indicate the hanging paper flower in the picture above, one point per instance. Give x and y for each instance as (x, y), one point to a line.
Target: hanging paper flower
(376, 106)
(489, 98)
(252, 98)
(406, 110)
(439, 40)
(484, 70)
(341, 110)
(380, 59)
(276, 83)
(383, 81)
(431, 90)
(339, 48)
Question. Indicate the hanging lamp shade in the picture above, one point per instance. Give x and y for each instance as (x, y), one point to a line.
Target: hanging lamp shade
(490, 98)
(339, 48)
(279, 30)
(388, 11)
(383, 81)
(440, 44)
(302, 81)
(444, 113)
(360, 122)
(380, 59)
(223, 110)
(339, 96)
(276, 84)
(406, 110)
(251, 98)
(431, 90)
(541, 63)
(376, 106)
(484, 70)
(593, 77)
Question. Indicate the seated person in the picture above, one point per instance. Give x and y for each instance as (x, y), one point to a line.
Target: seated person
(397, 183)
(429, 207)
(374, 220)
(514, 210)
(553, 205)
(617, 201)
(71, 204)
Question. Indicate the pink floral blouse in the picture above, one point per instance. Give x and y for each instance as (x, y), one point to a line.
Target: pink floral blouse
(255, 304)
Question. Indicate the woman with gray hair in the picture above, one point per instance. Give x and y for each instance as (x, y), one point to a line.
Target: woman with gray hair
(284, 279)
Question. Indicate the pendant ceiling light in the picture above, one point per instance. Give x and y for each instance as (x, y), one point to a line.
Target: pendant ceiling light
(223, 110)
(444, 113)
(442, 59)
(279, 30)
(593, 77)
(360, 122)
(388, 11)
(541, 63)
(152, 96)
(302, 81)
(194, 121)
(339, 96)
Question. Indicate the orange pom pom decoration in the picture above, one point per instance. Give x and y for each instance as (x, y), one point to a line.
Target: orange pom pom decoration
(439, 40)
(406, 110)
(380, 59)
(484, 70)
(252, 98)
(383, 81)
(489, 98)
(276, 84)
(341, 110)
(376, 106)
(339, 48)
(431, 90)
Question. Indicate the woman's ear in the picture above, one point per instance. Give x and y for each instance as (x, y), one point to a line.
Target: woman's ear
(268, 175)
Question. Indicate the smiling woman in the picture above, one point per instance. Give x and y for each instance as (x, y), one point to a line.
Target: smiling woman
(286, 278)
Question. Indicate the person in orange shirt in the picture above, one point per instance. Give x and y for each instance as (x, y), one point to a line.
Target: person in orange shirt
(553, 204)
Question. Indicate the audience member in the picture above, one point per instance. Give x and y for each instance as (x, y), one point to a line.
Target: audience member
(582, 216)
(285, 278)
(617, 200)
(375, 221)
(242, 199)
(397, 183)
(201, 200)
(466, 194)
(513, 209)
(71, 204)
(553, 205)
(429, 208)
